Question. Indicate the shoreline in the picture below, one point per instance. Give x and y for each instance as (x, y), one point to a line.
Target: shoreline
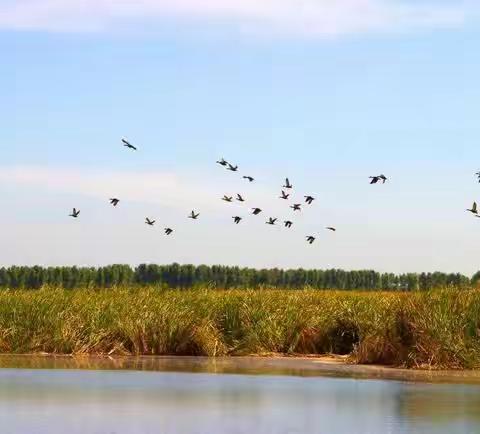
(275, 364)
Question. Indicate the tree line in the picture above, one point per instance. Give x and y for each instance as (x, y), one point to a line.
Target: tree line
(223, 277)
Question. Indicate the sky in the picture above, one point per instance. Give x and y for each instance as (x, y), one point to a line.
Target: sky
(325, 92)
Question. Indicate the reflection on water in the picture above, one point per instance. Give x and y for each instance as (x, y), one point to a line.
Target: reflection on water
(36, 401)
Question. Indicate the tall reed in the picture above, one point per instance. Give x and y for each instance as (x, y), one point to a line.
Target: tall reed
(439, 329)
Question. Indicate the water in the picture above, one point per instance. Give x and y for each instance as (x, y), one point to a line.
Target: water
(165, 397)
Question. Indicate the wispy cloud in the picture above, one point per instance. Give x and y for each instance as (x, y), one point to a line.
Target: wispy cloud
(312, 18)
(166, 189)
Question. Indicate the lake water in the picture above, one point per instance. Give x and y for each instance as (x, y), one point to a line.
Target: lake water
(201, 396)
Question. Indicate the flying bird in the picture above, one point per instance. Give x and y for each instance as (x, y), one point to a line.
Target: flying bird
(232, 168)
(375, 179)
(296, 207)
(309, 199)
(474, 208)
(237, 219)
(310, 239)
(271, 221)
(168, 231)
(114, 201)
(128, 145)
(330, 228)
(287, 184)
(227, 198)
(256, 211)
(222, 162)
(288, 223)
(249, 178)
(149, 222)
(193, 215)
(75, 213)
(240, 198)
(284, 195)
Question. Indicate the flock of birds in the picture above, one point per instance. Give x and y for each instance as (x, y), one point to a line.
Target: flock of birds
(272, 221)
(474, 208)
(287, 187)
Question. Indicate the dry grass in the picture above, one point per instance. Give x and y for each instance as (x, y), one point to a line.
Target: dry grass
(439, 329)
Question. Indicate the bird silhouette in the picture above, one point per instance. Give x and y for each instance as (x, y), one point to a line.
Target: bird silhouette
(287, 184)
(114, 201)
(75, 213)
(256, 211)
(193, 216)
(232, 168)
(330, 228)
(474, 208)
(240, 198)
(149, 222)
(271, 221)
(227, 198)
(309, 199)
(237, 219)
(284, 195)
(296, 207)
(249, 178)
(222, 162)
(478, 176)
(375, 179)
(168, 231)
(310, 239)
(288, 223)
(128, 145)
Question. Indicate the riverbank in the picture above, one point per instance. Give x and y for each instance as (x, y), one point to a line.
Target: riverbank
(328, 366)
(434, 330)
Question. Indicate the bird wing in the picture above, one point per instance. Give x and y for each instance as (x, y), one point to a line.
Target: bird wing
(474, 208)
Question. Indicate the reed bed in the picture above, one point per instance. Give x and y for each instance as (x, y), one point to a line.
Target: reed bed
(437, 329)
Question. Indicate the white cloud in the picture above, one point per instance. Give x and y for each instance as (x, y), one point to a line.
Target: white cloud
(317, 18)
(166, 189)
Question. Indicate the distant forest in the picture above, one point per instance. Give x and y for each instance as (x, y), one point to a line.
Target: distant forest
(223, 277)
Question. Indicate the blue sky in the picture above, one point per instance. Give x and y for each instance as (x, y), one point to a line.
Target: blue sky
(325, 93)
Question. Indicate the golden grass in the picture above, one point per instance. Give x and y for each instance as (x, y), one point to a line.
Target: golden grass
(439, 329)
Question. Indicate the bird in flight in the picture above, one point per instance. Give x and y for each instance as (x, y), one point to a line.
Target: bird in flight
(222, 162)
(288, 224)
(271, 221)
(232, 168)
(249, 178)
(310, 239)
(256, 211)
(193, 216)
(149, 222)
(240, 198)
(75, 213)
(128, 145)
(330, 228)
(114, 201)
(474, 208)
(287, 184)
(168, 231)
(284, 195)
(227, 198)
(237, 219)
(478, 176)
(296, 207)
(309, 199)
(375, 179)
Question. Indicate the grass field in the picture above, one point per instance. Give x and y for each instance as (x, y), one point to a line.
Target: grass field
(439, 329)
